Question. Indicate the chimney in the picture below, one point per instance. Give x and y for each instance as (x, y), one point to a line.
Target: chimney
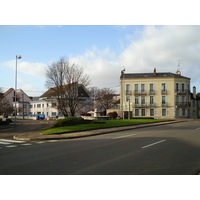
(154, 71)
(178, 72)
(194, 92)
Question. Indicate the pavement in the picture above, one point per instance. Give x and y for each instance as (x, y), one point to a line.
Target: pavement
(35, 135)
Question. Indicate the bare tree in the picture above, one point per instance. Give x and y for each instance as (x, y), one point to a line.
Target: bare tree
(68, 81)
(104, 98)
(5, 107)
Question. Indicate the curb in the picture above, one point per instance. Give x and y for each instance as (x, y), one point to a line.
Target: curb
(92, 132)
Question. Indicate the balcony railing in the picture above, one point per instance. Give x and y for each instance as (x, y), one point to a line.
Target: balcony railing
(151, 91)
(144, 105)
(164, 103)
(164, 91)
(183, 104)
(128, 92)
(181, 91)
(139, 92)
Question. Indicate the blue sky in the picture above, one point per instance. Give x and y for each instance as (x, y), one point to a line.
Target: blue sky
(102, 50)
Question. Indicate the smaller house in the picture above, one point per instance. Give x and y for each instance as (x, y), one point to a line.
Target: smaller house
(22, 101)
(48, 103)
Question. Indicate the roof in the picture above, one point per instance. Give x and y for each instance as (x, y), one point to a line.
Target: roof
(52, 92)
(7, 92)
(151, 75)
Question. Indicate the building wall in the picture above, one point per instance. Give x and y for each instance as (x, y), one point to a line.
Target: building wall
(170, 94)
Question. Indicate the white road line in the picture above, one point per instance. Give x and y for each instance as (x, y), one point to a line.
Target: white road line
(11, 146)
(26, 144)
(40, 142)
(52, 141)
(5, 143)
(123, 136)
(12, 141)
(197, 128)
(153, 144)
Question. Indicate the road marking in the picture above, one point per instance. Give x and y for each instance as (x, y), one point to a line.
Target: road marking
(123, 136)
(11, 146)
(12, 141)
(153, 144)
(197, 128)
(52, 141)
(40, 142)
(5, 143)
(26, 144)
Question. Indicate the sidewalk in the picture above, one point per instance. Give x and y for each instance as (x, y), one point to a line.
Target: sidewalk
(37, 136)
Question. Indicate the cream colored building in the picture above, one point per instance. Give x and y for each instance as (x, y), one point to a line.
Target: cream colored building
(157, 95)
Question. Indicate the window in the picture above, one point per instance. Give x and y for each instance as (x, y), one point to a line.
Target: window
(136, 100)
(163, 100)
(163, 87)
(136, 112)
(142, 88)
(151, 112)
(188, 88)
(163, 112)
(151, 88)
(38, 105)
(183, 112)
(143, 112)
(34, 105)
(43, 105)
(177, 87)
(53, 114)
(183, 100)
(31, 106)
(136, 88)
(177, 99)
(127, 88)
(143, 100)
(177, 112)
(151, 100)
(128, 98)
(183, 87)
(53, 104)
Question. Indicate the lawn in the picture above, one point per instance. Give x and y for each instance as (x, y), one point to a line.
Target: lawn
(108, 124)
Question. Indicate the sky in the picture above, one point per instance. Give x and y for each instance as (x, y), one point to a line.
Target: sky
(102, 50)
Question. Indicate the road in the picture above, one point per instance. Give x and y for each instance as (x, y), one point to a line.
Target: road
(172, 149)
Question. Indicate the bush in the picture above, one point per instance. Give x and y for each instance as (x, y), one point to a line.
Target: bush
(112, 115)
(70, 121)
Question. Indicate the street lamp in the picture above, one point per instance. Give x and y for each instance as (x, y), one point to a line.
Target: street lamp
(122, 90)
(17, 57)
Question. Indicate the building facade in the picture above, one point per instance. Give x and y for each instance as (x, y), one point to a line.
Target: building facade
(48, 104)
(157, 95)
(22, 101)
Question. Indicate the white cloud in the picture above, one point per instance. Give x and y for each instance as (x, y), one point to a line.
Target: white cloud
(162, 47)
(35, 69)
(158, 46)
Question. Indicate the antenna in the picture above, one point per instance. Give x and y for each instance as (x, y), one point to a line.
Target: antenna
(179, 63)
(178, 68)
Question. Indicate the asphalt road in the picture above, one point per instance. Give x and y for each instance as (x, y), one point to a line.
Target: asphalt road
(172, 149)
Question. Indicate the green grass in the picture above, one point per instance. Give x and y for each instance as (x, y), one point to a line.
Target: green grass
(108, 124)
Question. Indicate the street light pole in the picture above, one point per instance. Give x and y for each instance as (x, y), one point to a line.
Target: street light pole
(122, 90)
(17, 57)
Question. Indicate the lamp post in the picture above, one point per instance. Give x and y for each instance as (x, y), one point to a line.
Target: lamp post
(17, 57)
(122, 90)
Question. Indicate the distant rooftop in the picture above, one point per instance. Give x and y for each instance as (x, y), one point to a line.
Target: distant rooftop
(152, 75)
